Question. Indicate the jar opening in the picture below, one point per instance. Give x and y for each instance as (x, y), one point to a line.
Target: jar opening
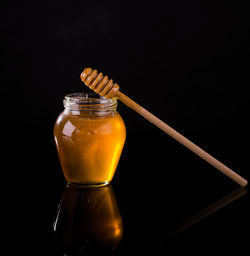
(88, 101)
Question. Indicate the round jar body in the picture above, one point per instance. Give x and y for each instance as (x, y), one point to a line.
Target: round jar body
(89, 136)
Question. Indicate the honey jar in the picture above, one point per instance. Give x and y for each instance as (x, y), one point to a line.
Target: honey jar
(89, 135)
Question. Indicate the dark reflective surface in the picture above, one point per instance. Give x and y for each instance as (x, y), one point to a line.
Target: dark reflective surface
(88, 220)
(203, 213)
(160, 202)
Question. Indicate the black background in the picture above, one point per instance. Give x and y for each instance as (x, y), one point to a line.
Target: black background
(185, 61)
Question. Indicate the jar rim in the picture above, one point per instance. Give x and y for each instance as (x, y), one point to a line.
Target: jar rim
(88, 101)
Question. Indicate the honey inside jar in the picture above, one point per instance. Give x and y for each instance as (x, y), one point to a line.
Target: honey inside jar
(89, 136)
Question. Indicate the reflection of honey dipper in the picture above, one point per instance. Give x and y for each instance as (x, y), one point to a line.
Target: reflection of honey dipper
(107, 88)
(205, 213)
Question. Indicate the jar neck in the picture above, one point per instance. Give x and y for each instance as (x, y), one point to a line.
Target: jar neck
(89, 104)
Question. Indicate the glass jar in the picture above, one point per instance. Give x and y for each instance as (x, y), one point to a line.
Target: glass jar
(89, 135)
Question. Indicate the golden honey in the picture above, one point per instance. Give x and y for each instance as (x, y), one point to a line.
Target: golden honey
(89, 136)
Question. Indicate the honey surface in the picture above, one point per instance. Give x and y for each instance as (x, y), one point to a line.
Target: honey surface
(89, 147)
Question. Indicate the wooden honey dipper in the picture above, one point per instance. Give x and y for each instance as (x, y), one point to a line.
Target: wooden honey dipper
(106, 87)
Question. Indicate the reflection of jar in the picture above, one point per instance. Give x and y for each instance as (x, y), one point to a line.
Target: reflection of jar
(89, 136)
(88, 219)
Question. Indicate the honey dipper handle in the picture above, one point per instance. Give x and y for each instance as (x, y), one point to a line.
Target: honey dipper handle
(180, 138)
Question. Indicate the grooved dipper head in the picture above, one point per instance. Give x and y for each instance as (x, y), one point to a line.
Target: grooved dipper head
(98, 83)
